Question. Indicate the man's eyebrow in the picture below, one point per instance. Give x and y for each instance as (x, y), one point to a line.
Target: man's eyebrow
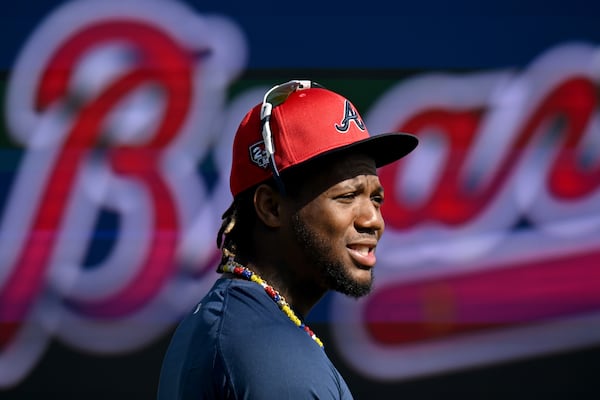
(379, 190)
(357, 184)
(352, 183)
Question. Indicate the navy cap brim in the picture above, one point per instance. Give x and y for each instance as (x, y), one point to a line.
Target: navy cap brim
(384, 148)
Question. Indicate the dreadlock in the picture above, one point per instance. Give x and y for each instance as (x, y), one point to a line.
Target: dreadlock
(235, 235)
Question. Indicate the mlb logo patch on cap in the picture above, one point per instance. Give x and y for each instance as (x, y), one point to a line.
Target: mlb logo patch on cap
(258, 154)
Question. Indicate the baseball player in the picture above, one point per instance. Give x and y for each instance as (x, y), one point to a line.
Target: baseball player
(305, 219)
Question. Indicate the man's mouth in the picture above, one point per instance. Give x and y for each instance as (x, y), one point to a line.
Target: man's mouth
(363, 254)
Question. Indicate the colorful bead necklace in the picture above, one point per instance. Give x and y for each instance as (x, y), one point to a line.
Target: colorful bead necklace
(239, 270)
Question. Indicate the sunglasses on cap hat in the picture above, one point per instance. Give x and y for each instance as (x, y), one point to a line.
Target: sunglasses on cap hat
(272, 98)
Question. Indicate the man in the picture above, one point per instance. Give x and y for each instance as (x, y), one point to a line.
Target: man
(305, 219)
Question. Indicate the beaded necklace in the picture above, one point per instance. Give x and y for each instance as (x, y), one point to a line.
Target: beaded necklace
(239, 270)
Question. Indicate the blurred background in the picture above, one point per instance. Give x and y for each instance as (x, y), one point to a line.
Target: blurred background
(117, 119)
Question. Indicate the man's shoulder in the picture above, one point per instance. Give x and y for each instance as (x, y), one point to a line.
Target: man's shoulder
(257, 347)
(258, 341)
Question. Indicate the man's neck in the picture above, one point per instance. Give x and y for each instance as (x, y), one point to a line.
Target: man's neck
(301, 294)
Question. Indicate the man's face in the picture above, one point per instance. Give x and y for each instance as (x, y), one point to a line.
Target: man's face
(339, 224)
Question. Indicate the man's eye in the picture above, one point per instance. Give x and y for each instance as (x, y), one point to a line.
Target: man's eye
(377, 199)
(347, 196)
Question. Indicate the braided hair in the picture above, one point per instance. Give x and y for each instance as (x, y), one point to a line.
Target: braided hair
(234, 237)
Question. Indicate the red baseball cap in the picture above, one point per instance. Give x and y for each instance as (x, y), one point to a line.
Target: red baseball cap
(306, 122)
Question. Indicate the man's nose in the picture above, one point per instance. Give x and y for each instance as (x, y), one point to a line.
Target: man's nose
(369, 217)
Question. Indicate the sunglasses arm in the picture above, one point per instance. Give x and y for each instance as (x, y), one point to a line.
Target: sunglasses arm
(265, 116)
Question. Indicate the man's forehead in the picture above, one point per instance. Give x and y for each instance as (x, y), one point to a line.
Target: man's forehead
(319, 175)
(353, 165)
(340, 165)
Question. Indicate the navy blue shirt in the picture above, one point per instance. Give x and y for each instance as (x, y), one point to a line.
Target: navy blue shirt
(238, 344)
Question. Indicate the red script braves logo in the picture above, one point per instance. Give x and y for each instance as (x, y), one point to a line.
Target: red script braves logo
(111, 110)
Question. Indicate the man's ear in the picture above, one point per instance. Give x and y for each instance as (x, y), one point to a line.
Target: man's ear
(267, 203)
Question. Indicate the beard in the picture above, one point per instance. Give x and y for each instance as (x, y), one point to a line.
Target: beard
(332, 271)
